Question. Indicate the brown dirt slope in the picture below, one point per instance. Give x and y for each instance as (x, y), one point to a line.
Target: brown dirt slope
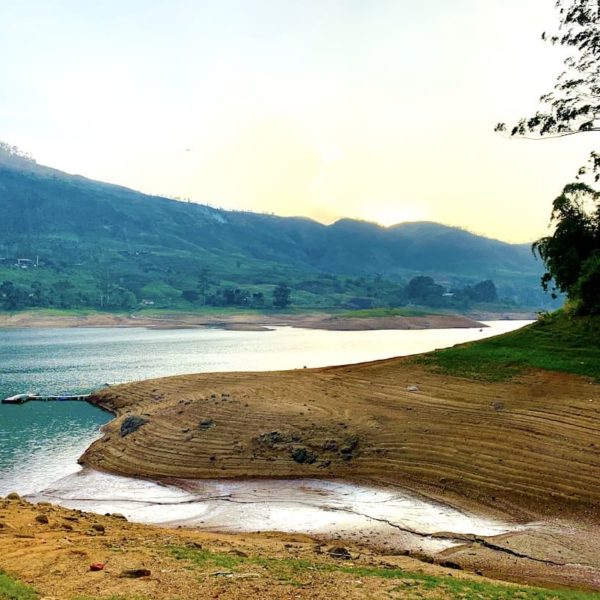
(55, 556)
(527, 448)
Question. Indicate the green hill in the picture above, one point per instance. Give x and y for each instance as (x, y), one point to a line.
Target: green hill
(100, 245)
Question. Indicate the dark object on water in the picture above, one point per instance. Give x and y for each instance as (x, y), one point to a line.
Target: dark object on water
(131, 424)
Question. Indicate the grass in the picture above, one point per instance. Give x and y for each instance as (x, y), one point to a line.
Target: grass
(290, 570)
(556, 342)
(11, 589)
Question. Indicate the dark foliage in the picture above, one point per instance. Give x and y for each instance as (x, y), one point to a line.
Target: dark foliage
(572, 253)
(574, 104)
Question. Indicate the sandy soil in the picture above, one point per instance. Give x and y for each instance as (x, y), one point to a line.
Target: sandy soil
(55, 557)
(525, 450)
(237, 322)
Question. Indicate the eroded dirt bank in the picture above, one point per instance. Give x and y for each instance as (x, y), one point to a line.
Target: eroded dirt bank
(52, 549)
(526, 449)
(250, 322)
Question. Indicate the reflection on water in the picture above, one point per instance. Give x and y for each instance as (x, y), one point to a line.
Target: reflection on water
(79, 360)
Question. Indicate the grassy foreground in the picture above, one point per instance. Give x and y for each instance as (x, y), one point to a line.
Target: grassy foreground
(408, 584)
(10, 589)
(294, 572)
(556, 342)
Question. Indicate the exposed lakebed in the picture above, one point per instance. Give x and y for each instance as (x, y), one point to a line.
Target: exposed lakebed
(40, 443)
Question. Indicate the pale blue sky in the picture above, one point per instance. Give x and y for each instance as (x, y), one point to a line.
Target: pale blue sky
(382, 110)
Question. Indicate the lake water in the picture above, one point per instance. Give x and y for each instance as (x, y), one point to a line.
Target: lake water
(40, 442)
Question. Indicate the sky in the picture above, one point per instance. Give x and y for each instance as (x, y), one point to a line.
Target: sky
(382, 110)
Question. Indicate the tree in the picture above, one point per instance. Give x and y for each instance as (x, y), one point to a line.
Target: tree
(571, 254)
(484, 291)
(574, 104)
(281, 296)
(424, 290)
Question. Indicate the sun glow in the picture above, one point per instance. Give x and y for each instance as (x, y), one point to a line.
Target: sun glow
(391, 215)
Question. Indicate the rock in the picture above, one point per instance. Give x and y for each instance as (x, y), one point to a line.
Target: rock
(272, 438)
(303, 455)
(206, 424)
(449, 564)
(498, 406)
(98, 527)
(131, 424)
(13, 496)
(43, 519)
(350, 445)
(412, 388)
(331, 446)
(239, 553)
(118, 516)
(339, 552)
(97, 566)
(136, 573)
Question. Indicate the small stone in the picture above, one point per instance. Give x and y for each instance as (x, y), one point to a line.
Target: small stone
(98, 527)
(340, 552)
(136, 573)
(118, 516)
(206, 424)
(13, 496)
(43, 519)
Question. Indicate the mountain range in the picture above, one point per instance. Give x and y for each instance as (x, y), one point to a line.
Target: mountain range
(97, 235)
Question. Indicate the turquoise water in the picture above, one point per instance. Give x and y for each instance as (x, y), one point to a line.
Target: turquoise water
(41, 441)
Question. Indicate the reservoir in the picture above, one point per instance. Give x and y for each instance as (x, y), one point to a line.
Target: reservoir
(40, 442)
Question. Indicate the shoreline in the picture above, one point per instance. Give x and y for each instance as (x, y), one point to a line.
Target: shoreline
(480, 447)
(243, 322)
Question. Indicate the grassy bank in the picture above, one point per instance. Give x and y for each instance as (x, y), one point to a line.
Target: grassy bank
(11, 589)
(556, 342)
(408, 584)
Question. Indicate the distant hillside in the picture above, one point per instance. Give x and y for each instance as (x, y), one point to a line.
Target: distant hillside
(100, 237)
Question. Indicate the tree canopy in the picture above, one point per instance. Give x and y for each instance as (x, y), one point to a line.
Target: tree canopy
(573, 106)
(571, 254)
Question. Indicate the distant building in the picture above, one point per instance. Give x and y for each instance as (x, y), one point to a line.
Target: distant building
(24, 263)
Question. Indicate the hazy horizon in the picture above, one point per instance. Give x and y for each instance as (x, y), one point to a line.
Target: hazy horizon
(381, 112)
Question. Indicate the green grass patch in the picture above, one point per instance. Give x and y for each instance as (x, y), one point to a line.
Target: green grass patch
(556, 342)
(11, 589)
(290, 570)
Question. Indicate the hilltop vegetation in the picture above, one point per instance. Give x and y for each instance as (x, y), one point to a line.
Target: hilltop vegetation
(86, 244)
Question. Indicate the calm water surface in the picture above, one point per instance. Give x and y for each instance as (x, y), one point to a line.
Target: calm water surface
(40, 442)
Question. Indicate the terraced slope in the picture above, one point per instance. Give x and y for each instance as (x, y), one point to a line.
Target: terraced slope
(528, 447)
